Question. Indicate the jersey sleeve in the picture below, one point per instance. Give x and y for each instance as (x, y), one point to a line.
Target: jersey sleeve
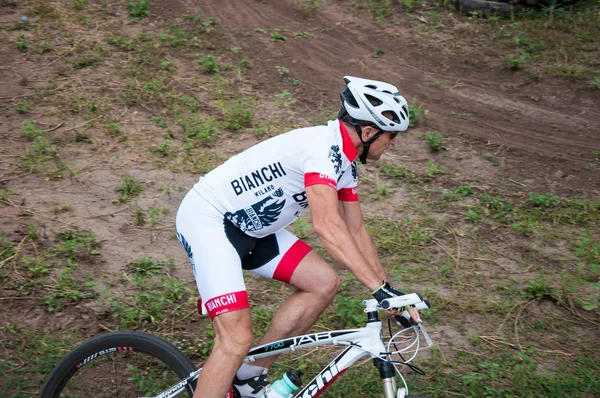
(323, 165)
(348, 184)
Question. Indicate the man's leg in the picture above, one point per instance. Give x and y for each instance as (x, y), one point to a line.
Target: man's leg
(232, 342)
(317, 285)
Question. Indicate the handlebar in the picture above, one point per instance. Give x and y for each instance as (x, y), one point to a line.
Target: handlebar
(412, 299)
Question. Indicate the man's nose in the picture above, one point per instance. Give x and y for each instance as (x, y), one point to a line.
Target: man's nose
(393, 142)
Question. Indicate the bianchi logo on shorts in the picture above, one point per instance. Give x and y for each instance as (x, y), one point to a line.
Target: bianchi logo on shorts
(259, 215)
(335, 156)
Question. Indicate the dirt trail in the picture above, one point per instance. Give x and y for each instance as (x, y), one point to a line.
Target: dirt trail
(555, 120)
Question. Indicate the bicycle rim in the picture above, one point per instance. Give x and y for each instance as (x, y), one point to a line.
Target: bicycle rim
(118, 364)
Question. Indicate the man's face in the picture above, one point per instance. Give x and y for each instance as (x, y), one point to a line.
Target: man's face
(381, 144)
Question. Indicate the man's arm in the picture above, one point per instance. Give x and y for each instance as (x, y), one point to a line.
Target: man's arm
(353, 217)
(335, 236)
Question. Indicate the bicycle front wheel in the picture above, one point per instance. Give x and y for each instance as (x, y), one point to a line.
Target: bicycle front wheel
(119, 364)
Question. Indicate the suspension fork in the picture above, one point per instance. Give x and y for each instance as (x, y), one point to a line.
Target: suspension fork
(388, 377)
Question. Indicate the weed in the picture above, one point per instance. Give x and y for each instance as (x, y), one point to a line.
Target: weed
(130, 188)
(22, 106)
(32, 231)
(205, 131)
(377, 53)
(473, 216)
(159, 122)
(516, 63)
(346, 311)
(275, 37)
(6, 191)
(595, 83)
(22, 43)
(438, 84)
(594, 302)
(416, 112)
(282, 70)
(538, 289)
(162, 149)
(246, 64)
(155, 213)
(30, 131)
(492, 159)
(399, 171)
(68, 288)
(285, 99)
(86, 62)
(435, 140)
(210, 65)
(304, 35)
(6, 249)
(114, 129)
(138, 8)
(433, 169)
(140, 217)
(323, 117)
(541, 200)
(77, 244)
(309, 5)
(464, 190)
(78, 4)
(238, 113)
(145, 266)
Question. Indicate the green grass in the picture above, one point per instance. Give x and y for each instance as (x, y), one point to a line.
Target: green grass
(130, 188)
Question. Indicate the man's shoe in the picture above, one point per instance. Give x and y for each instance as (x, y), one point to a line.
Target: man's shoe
(252, 387)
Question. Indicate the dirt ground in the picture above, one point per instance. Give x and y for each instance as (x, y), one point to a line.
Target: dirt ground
(541, 136)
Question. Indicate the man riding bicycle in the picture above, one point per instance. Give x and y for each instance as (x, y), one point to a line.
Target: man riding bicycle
(234, 219)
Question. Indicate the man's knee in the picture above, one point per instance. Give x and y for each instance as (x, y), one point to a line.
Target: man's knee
(233, 333)
(328, 286)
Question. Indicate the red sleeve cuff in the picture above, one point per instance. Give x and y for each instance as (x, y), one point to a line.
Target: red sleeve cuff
(348, 194)
(317, 178)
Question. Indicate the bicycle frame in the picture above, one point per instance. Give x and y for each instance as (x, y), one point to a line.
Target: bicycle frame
(361, 342)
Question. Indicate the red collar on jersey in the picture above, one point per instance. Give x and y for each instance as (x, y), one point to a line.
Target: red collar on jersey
(347, 144)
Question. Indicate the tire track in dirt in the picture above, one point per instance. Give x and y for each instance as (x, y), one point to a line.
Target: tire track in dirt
(549, 119)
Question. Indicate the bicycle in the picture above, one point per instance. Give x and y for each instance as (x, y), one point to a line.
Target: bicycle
(170, 367)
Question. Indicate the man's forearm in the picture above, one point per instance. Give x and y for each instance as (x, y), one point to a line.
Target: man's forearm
(365, 243)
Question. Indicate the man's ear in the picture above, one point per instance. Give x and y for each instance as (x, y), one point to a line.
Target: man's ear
(368, 132)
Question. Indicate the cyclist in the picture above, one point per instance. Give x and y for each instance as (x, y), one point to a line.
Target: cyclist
(233, 219)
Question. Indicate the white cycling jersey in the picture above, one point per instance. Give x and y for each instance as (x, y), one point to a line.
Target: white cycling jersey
(262, 189)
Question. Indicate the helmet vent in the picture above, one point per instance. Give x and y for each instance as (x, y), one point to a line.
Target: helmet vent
(387, 92)
(374, 87)
(373, 100)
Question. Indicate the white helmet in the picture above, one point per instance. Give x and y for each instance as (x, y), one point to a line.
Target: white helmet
(367, 100)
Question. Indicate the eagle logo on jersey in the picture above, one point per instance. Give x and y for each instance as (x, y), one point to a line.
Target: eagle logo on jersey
(335, 155)
(259, 215)
(354, 171)
(188, 250)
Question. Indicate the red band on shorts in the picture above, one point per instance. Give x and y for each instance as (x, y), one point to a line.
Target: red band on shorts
(318, 178)
(227, 303)
(290, 261)
(348, 194)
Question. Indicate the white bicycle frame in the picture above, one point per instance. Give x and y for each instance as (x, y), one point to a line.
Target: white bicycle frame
(361, 342)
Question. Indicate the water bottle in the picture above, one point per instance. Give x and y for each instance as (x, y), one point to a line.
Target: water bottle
(284, 387)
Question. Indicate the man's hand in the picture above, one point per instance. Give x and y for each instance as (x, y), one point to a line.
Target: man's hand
(385, 291)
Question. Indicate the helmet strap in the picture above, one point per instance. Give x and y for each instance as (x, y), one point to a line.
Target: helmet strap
(366, 144)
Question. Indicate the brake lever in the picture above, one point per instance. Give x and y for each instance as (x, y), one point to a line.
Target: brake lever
(406, 321)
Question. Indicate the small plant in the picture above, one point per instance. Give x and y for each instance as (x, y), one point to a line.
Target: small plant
(30, 131)
(205, 131)
(595, 83)
(22, 43)
(32, 231)
(145, 266)
(78, 4)
(210, 64)
(282, 70)
(473, 216)
(516, 63)
(304, 35)
(159, 122)
(138, 8)
(275, 37)
(89, 61)
(140, 217)
(131, 187)
(77, 244)
(538, 289)
(285, 99)
(464, 190)
(6, 191)
(435, 140)
(433, 169)
(540, 200)
(114, 129)
(416, 112)
(309, 5)
(238, 113)
(162, 149)
(377, 53)
(155, 213)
